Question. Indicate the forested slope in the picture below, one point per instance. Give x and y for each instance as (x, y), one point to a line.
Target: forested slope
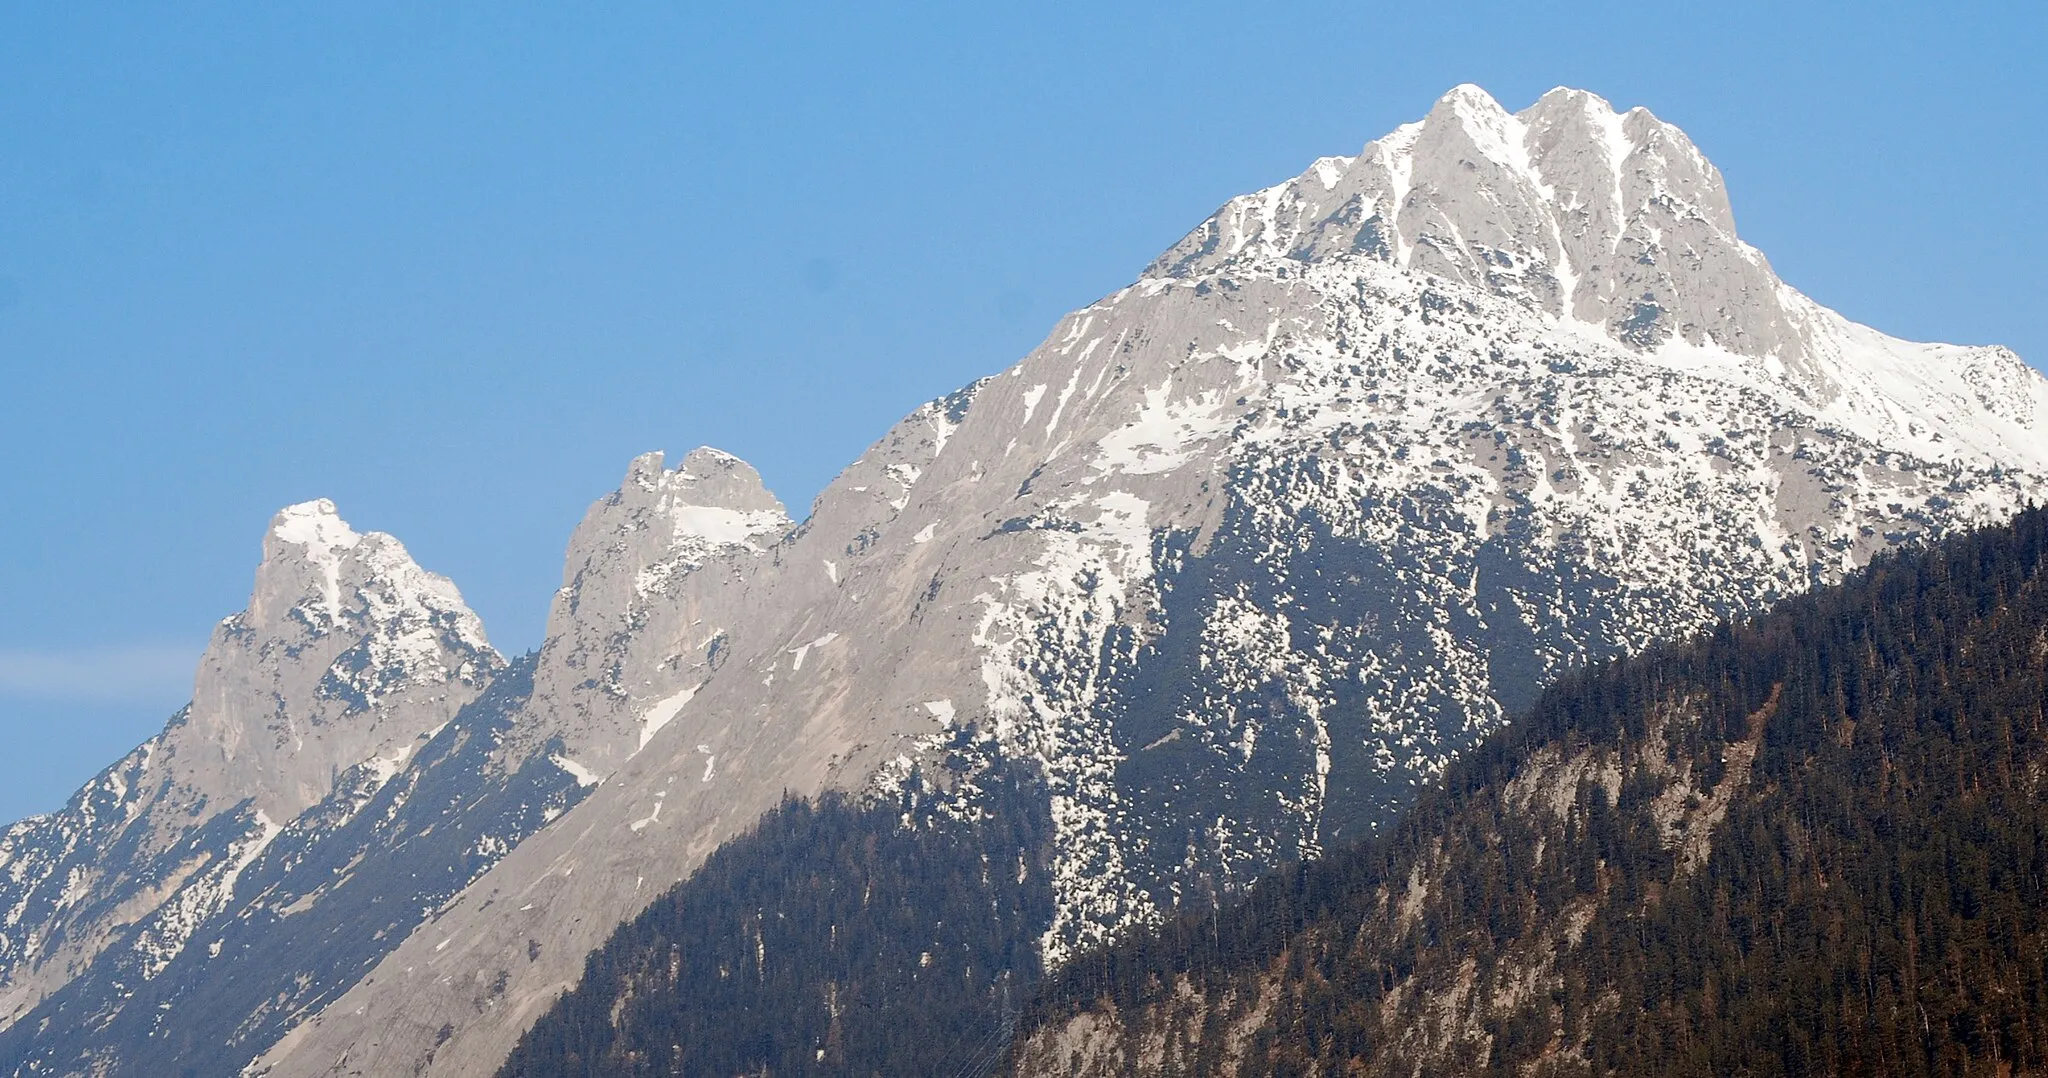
(1814, 844)
(834, 939)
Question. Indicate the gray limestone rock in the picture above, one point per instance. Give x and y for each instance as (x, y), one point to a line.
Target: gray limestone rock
(647, 590)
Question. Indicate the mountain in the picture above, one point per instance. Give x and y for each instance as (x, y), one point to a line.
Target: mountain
(348, 661)
(1617, 224)
(1235, 563)
(1809, 845)
(1245, 553)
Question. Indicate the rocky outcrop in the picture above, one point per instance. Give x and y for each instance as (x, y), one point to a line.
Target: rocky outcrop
(647, 593)
(347, 659)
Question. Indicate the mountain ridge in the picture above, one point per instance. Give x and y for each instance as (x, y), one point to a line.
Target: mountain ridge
(1237, 561)
(1577, 228)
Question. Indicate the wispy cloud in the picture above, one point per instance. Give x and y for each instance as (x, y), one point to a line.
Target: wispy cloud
(144, 674)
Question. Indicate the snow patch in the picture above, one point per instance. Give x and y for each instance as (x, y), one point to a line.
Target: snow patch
(802, 650)
(1328, 170)
(1165, 434)
(583, 775)
(659, 715)
(725, 527)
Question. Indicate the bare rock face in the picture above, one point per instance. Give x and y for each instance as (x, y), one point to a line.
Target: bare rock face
(1237, 559)
(646, 597)
(348, 656)
(348, 652)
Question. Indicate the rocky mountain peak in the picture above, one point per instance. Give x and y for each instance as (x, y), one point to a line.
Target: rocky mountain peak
(1615, 220)
(667, 521)
(313, 525)
(320, 576)
(347, 660)
(302, 559)
(1613, 226)
(629, 618)
(711, 494)
(348, 649)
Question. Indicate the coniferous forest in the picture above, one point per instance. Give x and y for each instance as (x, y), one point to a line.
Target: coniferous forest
(836, 939)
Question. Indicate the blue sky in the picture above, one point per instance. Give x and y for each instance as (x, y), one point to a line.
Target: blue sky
(453, 265)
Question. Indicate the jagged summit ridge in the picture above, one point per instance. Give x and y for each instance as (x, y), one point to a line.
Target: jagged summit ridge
(1615, 225)
(323, 574)
(1548, 205)
(628, 638)
(711, 501)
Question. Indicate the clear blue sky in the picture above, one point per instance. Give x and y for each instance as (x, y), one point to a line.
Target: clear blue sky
(452, 265)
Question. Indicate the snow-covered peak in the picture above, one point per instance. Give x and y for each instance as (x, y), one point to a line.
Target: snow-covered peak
(1548, 204)
(348, 650)
(1473, 113)
(320, 576)
(314, 525)
(711, 501)
(1472, 108)
(1617, 227)
(311, 535)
